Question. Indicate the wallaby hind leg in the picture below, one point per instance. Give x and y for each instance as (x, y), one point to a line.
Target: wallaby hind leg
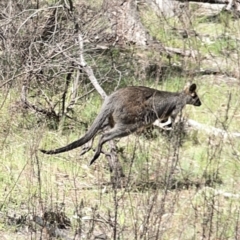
(88, 146)
(119, 130)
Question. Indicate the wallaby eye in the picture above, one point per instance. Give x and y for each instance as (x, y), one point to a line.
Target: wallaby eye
(194, 95)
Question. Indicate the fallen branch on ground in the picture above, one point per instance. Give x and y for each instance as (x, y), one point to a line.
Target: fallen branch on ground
(189, 123)
(192, 124)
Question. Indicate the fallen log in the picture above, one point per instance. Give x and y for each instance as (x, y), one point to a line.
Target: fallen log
(189, 123)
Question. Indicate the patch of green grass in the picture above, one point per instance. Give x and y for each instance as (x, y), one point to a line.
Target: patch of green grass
(68, 178)
(160, 29)
(213, 34)
(219, 46)
(31, 182)
(94, 3)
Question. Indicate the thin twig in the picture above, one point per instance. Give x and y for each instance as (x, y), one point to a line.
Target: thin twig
(89, 70)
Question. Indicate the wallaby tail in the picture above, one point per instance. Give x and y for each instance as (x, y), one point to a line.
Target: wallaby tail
(104, 113)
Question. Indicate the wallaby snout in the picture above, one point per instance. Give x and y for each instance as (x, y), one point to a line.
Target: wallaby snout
(193, 97)
(195, 100)
(197, 103)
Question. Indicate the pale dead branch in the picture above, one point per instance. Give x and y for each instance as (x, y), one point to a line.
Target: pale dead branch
(183, 53)
(112, 157)
(211, 192)
(192, 124)
(88, 69)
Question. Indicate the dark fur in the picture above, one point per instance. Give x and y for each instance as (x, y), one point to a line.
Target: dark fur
(131, 108)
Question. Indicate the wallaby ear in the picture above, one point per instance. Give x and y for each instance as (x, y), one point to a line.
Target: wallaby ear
(190, 87)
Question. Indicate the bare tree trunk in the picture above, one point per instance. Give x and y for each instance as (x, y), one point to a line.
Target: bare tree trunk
(125, 22)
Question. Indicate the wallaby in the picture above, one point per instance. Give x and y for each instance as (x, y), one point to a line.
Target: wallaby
(131, 108)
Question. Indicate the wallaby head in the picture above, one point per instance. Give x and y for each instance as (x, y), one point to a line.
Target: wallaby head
(192, 97)
(129, 109)
(174, 103)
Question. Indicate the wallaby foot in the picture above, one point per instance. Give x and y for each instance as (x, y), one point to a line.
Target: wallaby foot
(95, 157)
(119, 130)
(87, 147)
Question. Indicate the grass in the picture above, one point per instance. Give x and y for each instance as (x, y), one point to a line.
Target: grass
(186, 191)
(217, 37)
(33, 182)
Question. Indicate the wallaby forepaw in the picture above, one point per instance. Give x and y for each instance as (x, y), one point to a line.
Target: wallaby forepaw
(168, 128)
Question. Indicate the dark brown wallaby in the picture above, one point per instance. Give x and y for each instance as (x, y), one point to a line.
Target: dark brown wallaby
(131, 108)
